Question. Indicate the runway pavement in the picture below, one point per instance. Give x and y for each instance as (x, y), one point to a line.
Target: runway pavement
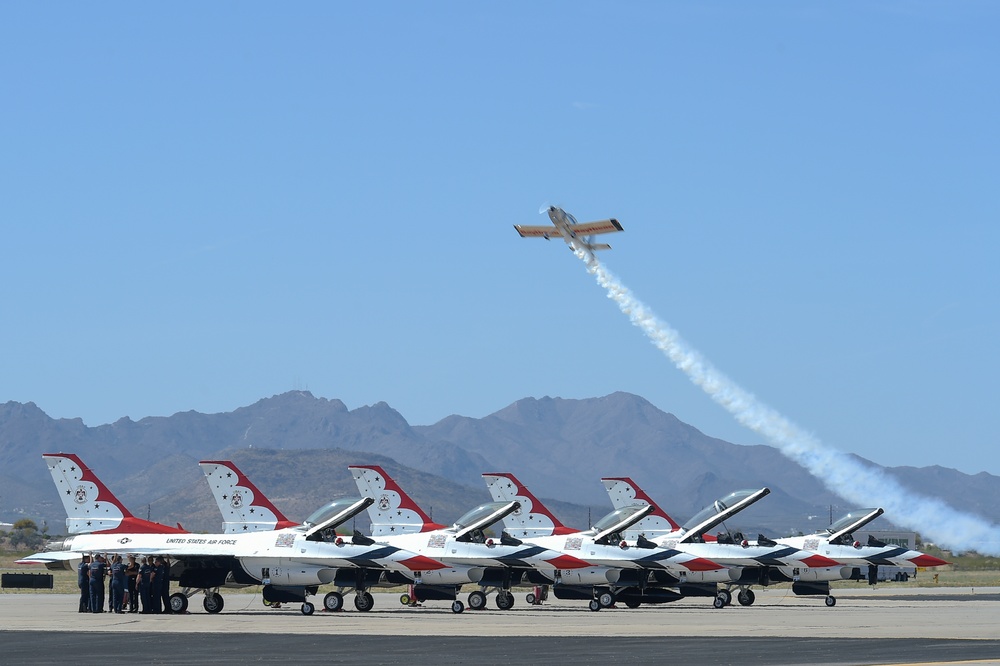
(897, 625)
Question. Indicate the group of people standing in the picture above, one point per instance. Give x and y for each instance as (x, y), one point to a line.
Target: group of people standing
(146, 579)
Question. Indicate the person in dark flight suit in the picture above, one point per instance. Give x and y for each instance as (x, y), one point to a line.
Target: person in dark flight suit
(145, 574)
(97, 571)
(83, 581)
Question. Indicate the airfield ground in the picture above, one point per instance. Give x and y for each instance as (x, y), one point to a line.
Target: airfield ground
(901, 624)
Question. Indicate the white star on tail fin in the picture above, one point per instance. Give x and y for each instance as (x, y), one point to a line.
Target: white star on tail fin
(532, 519)
(393, 512)
(244, 508)
(624, 492)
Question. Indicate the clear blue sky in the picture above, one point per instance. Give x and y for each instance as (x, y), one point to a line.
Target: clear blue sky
(204, 204)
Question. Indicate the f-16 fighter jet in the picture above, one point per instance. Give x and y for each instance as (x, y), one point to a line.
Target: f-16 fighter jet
(634, 572)
(504, 561)
(761, 562)
(291, 561)
(836, 541)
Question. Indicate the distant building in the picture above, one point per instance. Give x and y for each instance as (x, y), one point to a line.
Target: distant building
(6, 527)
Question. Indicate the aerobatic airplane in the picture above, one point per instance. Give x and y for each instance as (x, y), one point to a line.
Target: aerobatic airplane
(764, 562)
(634, 572)
(503, 561)
(577, 236)
(291, 563)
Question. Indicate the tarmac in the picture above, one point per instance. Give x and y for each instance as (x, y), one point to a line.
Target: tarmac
(884, 625)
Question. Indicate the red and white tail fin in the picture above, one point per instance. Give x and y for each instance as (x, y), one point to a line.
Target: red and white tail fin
(532, 519)
(625, 492)
(90, 506)
(244, 508)
(393, 511)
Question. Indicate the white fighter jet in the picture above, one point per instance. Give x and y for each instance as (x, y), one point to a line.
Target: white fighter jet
(577, 236)
(632, 571)
(761, 562)
(503, 561)
(837, 541)
(292, 561)
(246, 509)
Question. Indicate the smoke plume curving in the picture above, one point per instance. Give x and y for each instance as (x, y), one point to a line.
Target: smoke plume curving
(839, 472)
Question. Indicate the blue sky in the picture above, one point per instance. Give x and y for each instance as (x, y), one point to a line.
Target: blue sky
(205, 204)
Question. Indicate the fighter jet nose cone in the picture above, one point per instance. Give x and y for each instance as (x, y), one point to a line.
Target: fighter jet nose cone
(924, 560)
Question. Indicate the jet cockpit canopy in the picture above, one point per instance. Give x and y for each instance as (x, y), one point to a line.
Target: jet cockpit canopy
(332, 514)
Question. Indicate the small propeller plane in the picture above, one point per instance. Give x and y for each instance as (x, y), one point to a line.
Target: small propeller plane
(578, 236)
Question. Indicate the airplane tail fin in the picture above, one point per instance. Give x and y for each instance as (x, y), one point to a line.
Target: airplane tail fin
(393, 512)
(90, 506)
(244, 508)
(625, 492)
(532, 519)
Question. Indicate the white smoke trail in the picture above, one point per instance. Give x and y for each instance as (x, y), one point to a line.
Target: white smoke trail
(839, 472)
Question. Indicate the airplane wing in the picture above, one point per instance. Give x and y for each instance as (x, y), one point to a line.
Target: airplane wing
(543, 231)
(600, 227)
(54, 561)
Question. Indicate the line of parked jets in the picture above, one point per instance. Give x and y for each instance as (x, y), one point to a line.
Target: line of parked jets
(634, 555)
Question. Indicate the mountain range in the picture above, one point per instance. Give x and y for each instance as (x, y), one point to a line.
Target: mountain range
(296, 448)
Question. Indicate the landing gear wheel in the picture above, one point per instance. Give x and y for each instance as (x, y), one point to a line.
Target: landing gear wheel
(457, 606)
(477, 600)
(178, 603)
(405, 599)
(333, 601)
(726, 596)
(831, 601)
(718, 602)
(307, 608)
(594, 605)
(530, 598)
(633, 603)
(746, 597)
(364, 601)
(606, 599)
(505, 600)
(213, 602)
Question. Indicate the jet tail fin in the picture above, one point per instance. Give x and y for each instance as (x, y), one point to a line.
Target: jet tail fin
(393, 512)
(244, 508)
(90, 506)
(532, 519)
(623, 492)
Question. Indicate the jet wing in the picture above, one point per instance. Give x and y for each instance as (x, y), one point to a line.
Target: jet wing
(855, 520)
(720, 511)
(55, 560)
